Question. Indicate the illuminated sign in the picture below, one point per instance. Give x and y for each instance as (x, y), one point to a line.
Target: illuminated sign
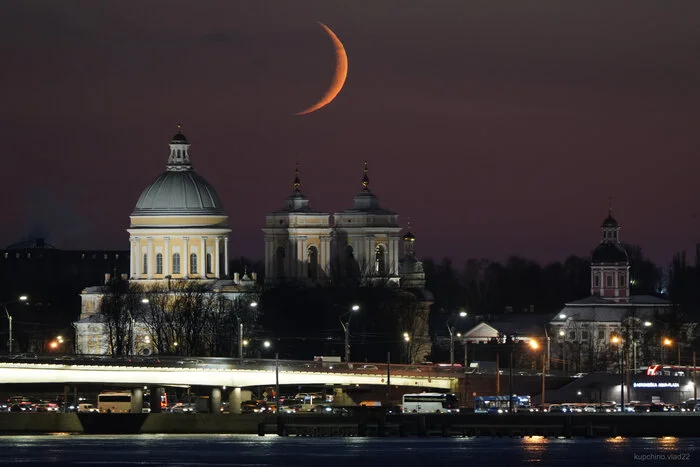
(655, 385)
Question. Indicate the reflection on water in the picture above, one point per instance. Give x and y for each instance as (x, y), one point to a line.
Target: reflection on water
(194, 450)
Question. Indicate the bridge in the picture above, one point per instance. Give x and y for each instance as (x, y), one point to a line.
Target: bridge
(207, 374)
(219, 372)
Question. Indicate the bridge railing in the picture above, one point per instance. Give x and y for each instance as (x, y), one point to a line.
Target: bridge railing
(237, 364)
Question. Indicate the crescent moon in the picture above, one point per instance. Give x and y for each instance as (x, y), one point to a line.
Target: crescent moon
(341, 73)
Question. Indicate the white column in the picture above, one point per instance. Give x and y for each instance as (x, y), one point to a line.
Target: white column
(216, 255)
(132, 269)
(300, 259)
(268, 260)
(166, 257)
(203, 258)
(137, 259)
(226, 256)
(150, 257)
(186, 258)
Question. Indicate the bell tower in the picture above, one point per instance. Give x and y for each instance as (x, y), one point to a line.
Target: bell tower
(609, 263)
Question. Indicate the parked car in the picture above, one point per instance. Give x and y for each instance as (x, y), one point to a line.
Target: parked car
(87, 408)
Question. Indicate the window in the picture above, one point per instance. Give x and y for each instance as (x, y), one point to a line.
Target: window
(572, 335)
(584, 335)
(609, 280)
(596, 281)
(601, 333)
(313, 263)
(622, 280)
(209, 266)
(159, 263)
(193, 263)
(145, 264)
(176, 263)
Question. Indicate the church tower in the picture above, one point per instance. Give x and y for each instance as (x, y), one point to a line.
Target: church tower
(410, 268)
(609, 264)
(367, 237)
(297, 241)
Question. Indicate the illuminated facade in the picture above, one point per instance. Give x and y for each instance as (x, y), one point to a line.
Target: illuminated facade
(178, 232)
(304, 245)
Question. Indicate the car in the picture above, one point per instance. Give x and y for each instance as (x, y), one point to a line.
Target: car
(367, 367)
(577, 375)
(590, 409)
(181, 407)
(46, 407)
(87, 408)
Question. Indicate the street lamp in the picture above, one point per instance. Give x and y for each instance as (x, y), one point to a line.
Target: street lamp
(451, 331)
(534, 345)
(346, 328)
(22, 298)
(240, 331)
(616, 340)
(669, 343)
(407, 341)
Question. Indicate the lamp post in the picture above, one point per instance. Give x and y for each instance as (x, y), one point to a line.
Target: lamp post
(407, 343)
(535, 346)
(618, 342)
(345, 322)
(240, 331)
(22, 298)
(451, 331)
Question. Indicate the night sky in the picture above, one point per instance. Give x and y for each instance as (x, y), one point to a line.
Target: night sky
(498, 127)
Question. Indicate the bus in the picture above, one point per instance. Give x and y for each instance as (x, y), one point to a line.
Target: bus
(114, 402)
(430, 402)
(500, 404)
(120, 402)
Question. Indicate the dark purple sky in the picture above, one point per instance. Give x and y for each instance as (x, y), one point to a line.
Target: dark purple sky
(498, 127)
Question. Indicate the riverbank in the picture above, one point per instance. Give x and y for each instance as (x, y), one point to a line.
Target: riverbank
(361, 424)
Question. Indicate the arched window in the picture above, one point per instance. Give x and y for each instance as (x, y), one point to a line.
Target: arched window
(279, 261)
(145, 264)
(313, 263)
(209, 265)
(193, 263)
(622, 280)
(596, 281)
(159, 263)
(380, 260)
(609, 280)
(176, 263)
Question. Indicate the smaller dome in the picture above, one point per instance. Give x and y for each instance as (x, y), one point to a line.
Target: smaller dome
(609, 253)
(179, 138)
(610, 222)
(409, 237)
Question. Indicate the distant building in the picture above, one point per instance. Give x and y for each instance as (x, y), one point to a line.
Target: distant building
(52, 280)
(586, 334)
(361, 243)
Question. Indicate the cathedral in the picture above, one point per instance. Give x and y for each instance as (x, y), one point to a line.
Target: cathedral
(585, 331)
(178, 233)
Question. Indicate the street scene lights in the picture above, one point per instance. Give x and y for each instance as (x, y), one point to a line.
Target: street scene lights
(451, 330)
(534, 345)
(669, 343)
(345, 322)
(242, 342)
(22, 298)
(617, 341)
(407, 344)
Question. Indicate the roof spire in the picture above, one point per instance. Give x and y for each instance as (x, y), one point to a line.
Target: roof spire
(610, 206)
(365, 180)
(408, 224)
(297, 182)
